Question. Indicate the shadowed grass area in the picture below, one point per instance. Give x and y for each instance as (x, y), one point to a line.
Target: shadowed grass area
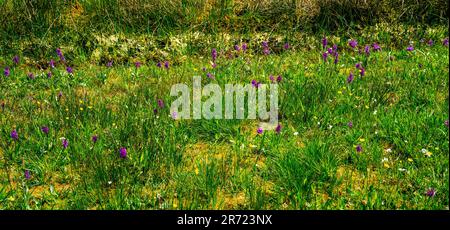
(98, 30)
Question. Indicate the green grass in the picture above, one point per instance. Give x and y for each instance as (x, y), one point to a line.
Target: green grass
(224, 164)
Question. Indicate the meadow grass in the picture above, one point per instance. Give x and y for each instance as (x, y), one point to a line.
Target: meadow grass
(397, 111)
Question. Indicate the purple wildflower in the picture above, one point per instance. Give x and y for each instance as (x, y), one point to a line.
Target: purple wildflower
(259, 130)
(166, 64)
(69, 70)
(65, 143)
(214, 54)
(60, 94)
(6, 72)
(137, 64)
(330, 50)
(109, 64)
(123, 152)
(410, 48)
(350, 124)
(255, 83)
(60, 55)
(335, 47)
(237, 48)
(358, 148)
(31, 75)
(350, 78)
(286, 46)
(272, 78)
(279, 78)
(160, 103)
(174, 115)
(16, 59)
(52, 63)
(353, 43)
(445, 42)
(325, 56)
(14, 135)
(358, 65)
(431, 192)
(278, 129)
(213, 65)
(367, 50)
(155, 111)
(324, 42)
(265, 46)
(159, 65)
(49, 74)
(430, 42)
(244, 47)
(336, 58)
(94, 138)
(362, 72)
(27, 174)
(45, 129)
(446, 123)
(376, 47)
(209, 75)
